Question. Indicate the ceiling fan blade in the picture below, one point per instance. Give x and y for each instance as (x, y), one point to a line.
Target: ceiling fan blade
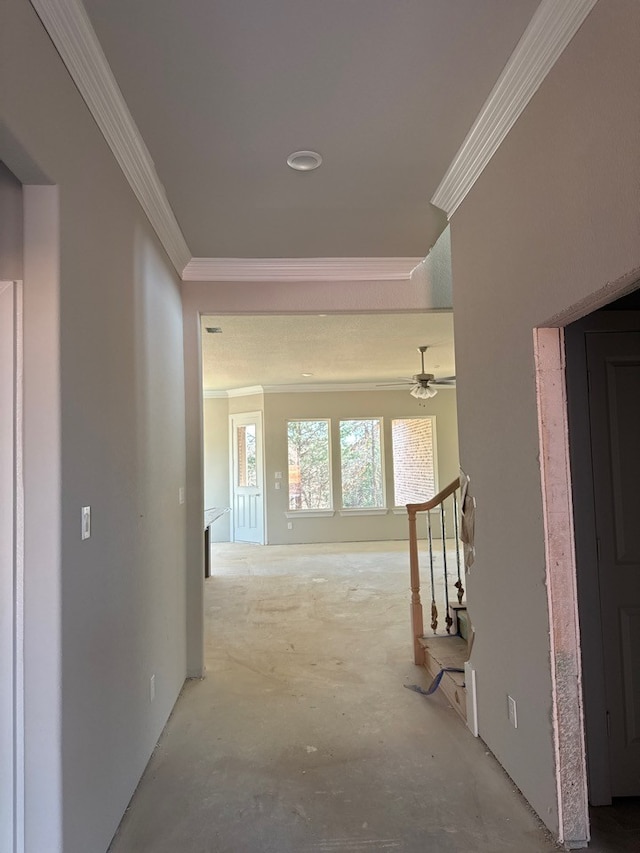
(394, 384)
(442, 384)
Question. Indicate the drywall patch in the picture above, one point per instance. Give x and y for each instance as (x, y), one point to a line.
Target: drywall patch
(566, 672)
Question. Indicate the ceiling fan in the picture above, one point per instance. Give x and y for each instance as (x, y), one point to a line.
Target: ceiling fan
(424, 385)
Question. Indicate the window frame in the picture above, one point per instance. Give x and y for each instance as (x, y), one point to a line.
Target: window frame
(365, 510)
(325, 512)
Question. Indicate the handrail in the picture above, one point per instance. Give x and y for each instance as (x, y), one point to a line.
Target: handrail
(417, 623)
(436, 500)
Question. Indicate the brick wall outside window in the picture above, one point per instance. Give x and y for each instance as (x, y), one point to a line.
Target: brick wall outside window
(413, 460)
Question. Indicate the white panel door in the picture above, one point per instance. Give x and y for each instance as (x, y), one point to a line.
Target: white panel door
(613, 360)
(10, 530)
(247, 478)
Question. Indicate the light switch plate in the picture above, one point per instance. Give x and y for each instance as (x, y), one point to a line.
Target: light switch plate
(86, 522)
(512, 711)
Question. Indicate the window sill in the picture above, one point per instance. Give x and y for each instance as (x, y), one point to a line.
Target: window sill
(399, 510)
(365, 511)
(310, 513)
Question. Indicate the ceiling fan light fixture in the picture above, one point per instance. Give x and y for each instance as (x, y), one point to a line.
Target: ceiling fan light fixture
(304, 161)
(421, 393)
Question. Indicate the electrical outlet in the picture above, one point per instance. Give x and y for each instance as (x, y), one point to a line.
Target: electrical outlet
(277, 484)
(290, 525)
(86, 522)
(512, 711)
(152, 688)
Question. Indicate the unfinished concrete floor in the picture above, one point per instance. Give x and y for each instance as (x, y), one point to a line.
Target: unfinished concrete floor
(302, 737)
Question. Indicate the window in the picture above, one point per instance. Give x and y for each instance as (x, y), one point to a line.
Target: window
(414, 476)
(361, 463)
(309, 465)
(247, 473)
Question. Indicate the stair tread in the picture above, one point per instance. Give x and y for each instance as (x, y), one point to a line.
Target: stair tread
(446, 651)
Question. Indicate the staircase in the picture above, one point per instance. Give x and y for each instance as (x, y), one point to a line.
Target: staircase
(449, 646)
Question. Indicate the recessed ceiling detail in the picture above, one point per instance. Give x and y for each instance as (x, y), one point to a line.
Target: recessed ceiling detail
(373, 111)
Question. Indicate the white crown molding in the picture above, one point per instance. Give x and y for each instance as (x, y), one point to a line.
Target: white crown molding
(300, 269)
(329, 387)
(305, 389)
(73, 36)
(208, 394)
(550, 30)
(245, 392)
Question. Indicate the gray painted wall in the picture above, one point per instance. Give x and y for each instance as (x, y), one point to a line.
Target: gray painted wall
(278, 408)
(11, 216)
(216, 462)
(385, 404)
(110, 611)
(554, 217)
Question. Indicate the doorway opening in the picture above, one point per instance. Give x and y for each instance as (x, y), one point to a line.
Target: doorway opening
(303, 416)
(588, 388)
(603, 390)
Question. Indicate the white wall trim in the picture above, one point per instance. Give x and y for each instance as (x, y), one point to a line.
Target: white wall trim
(245, 392)
(330, 387)
(364, 511)
(303, 389)
(310, 513)
(550, 30)
(11, 569)
(73, 36)
(300, 269)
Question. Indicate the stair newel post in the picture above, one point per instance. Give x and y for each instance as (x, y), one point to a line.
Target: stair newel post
(456, 523)
(416, 604)
(448, 618)
(434, 607)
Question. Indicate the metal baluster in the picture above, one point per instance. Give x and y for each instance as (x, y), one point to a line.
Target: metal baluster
(448, 620)
(434, 608)
(458, 583)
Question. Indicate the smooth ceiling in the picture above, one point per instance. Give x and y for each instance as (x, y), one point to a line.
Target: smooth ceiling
(335, 348)
(386, 90)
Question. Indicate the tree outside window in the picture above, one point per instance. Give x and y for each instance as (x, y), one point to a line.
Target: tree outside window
(309, 465)
(361, 463)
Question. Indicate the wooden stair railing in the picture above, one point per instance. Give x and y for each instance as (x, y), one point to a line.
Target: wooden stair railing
(417, 624)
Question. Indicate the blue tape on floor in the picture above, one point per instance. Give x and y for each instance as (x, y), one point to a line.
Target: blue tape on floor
(434, 684)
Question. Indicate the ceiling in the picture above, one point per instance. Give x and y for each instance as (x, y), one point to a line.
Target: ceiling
(223, 91)
(335, 348)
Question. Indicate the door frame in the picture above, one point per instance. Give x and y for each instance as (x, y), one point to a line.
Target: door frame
(258, 415)
(558, 486)
(597, 741)
(12, 576)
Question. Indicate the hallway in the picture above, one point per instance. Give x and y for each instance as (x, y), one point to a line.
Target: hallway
(302, 738)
